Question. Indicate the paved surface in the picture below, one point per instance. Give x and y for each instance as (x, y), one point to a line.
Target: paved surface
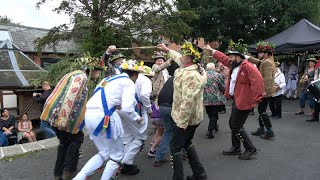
(293, 155)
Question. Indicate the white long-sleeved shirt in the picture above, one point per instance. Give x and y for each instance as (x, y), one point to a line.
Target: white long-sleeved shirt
(293, 72)
(233, 80)
(280, 81)
(143, 91)
(118, 92)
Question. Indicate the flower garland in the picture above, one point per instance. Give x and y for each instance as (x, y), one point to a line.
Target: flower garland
(239, 46)
(263, 46)
(187, 49)
(91, 63)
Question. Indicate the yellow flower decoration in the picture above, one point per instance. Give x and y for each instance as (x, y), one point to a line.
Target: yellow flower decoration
(187, 49)
(125, 66)
(141, 63)
(136, 67)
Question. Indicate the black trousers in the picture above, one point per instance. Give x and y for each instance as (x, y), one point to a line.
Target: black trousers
(237, 120)
(316, 111)
(213, 113)
(68, 151)
(182, 138)
(264, 119)
(275, 105)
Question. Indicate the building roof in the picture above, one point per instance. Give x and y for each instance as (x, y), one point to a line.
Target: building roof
(23, 37)
(16, 69)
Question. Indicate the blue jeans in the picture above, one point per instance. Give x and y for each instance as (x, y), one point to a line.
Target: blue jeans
(164, 146)
(46, 128)
(3, 139)
(303, 97)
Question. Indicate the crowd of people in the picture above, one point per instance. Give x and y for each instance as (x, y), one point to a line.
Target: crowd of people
(117, 115)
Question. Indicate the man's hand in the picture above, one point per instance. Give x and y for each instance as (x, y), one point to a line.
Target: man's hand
(163, 47)
(141, 121)
(34, 94)
(264, 94)
(208, 48)
(111, 49)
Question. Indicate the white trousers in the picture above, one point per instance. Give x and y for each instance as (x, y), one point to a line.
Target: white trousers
(131, 150)
(110, 150)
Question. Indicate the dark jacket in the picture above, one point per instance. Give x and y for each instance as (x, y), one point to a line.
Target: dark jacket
(165, 97)
(42, 99)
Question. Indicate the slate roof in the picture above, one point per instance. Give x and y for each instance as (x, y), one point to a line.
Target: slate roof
(23, 37)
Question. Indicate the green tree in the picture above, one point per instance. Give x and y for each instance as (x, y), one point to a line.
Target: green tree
(251, 20)
(6, 20)
(98, 23)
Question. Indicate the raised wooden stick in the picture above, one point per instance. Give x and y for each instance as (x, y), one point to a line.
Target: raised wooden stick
(141, 47)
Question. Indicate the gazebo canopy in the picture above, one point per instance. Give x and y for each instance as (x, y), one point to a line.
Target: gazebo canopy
(16, 69)
(302, 36)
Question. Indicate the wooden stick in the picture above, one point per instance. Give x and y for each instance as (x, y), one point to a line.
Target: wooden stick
(142, 47)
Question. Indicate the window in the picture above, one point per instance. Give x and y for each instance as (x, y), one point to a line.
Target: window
(45, 62)
(4, 35)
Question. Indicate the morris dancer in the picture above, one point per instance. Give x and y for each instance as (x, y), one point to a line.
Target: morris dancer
(267, 69)
(244, 79)
(64, 110)
(113, 60)
(104, 124)
(187, 109)
(135, 134)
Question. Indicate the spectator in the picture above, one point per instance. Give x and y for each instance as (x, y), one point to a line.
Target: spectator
(7, 126)
(41, 98)
(305, 81)
(213, 97)
(292, 80)
(276, 101)
(25, 129)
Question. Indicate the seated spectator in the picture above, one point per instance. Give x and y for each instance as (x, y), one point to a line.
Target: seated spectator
(7, 127)
(25, 129)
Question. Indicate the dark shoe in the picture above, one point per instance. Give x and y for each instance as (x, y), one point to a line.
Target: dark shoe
(248, 154)
(160, 162)
(202, 176)
(210, 135)
(258, 132)
(299, 113)
(129, 169)
(252, 113)
(223, 112)
(151, 154)
(195, 164)
(66, 175)
(268, 135)
(232, 151)
(312, 120)
(177, 165)
(217, 127)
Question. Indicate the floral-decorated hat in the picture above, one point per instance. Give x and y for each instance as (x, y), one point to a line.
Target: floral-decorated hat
(264, 46)
(91, 63)
(148, 71)
(187, 49)
(131, 65)
(116, 56)
(158, 55)
(238, 48)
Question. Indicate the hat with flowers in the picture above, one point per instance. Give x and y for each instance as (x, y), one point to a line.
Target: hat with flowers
(91, 63)
(238, 48)
(187, 49)
(264, 46)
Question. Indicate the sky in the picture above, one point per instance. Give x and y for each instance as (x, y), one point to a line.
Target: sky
(26, 13)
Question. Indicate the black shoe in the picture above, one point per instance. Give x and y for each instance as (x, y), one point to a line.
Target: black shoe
(312, 120)
(217, 127)
(248, 154)
(129, 169)
(268, 135)
(252, 113)
(232, 151)
(258, 132)
(202, 176)
(210, 135)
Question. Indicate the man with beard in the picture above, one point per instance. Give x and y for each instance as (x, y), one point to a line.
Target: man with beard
(267, 68)
(244, 79)
(187, 109)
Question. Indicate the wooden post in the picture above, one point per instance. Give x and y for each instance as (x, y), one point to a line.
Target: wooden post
(20, 102)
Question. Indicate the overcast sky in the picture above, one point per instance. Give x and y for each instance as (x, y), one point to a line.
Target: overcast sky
(26, 13)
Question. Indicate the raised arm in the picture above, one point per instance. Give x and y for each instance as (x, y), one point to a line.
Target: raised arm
(171, 53)
(221, 57)
(156, 68)
(254, 60)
